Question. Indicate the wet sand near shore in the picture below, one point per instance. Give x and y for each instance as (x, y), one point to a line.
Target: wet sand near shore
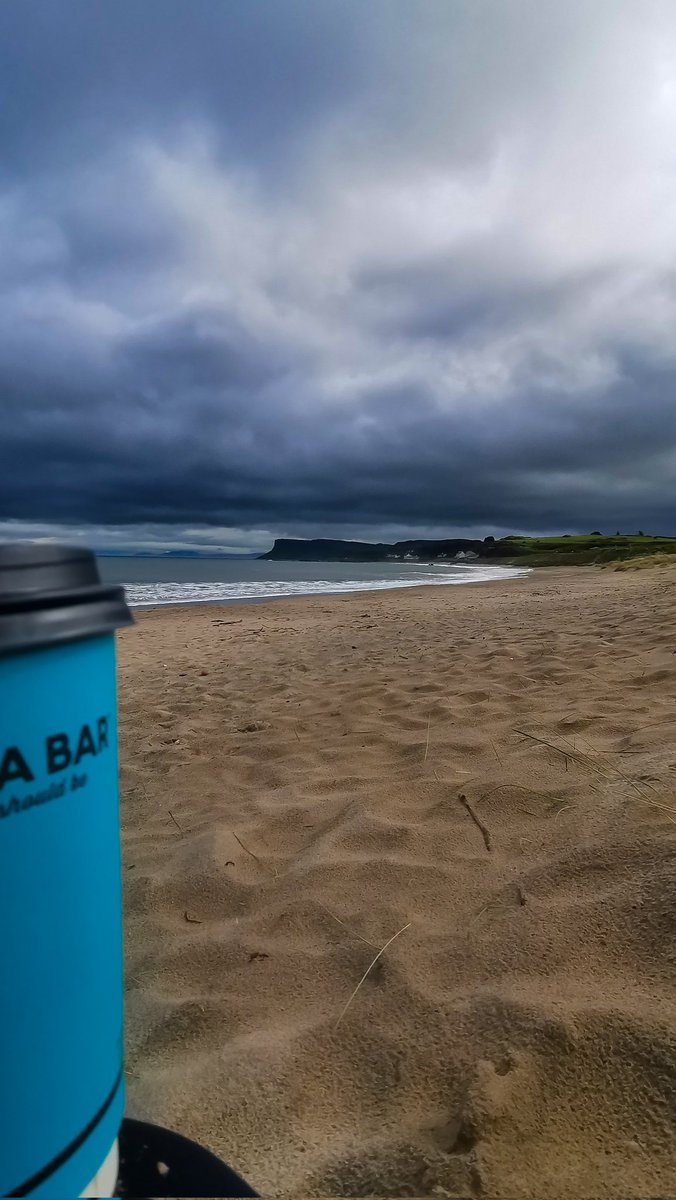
(480, 779)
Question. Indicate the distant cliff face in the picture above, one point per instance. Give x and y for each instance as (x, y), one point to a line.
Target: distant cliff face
(550, 551)
(329, 550)
(326, 550)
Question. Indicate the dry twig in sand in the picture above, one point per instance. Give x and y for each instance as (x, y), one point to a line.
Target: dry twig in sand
(369, 969)
(246, 848)
(263, 866)
(483, 830)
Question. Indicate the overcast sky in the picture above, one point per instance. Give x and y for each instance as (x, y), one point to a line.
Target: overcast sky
(369, 268)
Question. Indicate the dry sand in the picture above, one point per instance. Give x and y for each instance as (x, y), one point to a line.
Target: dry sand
(302, 779)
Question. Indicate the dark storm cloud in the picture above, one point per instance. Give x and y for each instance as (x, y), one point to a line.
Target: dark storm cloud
(260, 72)
(304, 268)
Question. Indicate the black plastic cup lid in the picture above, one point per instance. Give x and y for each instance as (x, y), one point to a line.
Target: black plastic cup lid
(51, 594)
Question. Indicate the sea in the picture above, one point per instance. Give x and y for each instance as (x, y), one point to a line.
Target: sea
(151, 582)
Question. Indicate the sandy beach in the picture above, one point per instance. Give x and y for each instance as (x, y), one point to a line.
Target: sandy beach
(482, 777)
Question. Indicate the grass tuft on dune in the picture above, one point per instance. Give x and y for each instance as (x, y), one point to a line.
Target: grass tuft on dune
(643, 562)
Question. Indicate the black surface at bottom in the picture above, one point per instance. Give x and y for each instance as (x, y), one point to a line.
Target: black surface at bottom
(157, 1162)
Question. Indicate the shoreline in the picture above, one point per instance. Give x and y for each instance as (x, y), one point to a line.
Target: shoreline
(484, 772)
(525, 573)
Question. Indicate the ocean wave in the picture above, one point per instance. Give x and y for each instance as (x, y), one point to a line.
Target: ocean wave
(147, 595)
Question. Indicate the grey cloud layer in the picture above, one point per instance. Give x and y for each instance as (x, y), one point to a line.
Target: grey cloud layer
(295, 267)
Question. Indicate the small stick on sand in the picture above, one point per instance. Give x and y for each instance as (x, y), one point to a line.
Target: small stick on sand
(485, 833)
(427, 743)
(369, 969)
(175, 821)
(246, 848)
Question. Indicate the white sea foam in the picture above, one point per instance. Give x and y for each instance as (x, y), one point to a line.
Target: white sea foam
(184, 592)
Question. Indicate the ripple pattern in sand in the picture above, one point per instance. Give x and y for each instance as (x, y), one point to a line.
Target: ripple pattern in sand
(492, 768)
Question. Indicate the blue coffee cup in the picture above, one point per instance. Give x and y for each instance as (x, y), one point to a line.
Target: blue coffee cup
(61, 1044)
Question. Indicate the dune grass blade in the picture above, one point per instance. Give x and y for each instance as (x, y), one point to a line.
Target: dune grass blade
(348, 927)
(606, 770)
(369, 969)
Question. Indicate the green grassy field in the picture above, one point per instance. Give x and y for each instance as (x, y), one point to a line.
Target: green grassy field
(581, 549)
